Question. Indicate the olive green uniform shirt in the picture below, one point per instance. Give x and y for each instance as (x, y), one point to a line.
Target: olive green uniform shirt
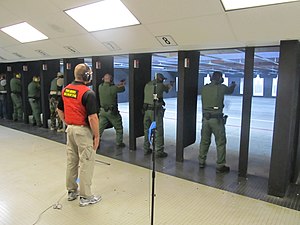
(15, 85)
(34, 90)
(108, 94)
(213, 97)
(149, 90)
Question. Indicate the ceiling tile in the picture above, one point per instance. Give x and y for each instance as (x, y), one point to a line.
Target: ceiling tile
(128, 38)
(165, 10)
(202, 31)
(266, 24)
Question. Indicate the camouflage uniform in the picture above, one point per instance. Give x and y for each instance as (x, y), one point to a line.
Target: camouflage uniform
(55, 95)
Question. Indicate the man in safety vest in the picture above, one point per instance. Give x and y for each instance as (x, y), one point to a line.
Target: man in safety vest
(78, 109)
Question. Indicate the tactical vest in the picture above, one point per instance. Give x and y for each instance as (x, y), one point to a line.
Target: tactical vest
(75, 112)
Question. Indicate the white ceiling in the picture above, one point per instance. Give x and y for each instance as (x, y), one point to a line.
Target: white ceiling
(193, 24)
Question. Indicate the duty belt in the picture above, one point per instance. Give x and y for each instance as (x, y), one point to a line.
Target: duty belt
(150, 107)
(208, 115)
(109, 108)
(36, 98)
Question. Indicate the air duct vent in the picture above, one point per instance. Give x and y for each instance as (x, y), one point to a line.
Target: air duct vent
(41, 52)
(112, 46)
(18, 55)
(71, 49)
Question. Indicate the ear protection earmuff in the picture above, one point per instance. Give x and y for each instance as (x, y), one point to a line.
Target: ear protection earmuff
(218, 77)
(111, 77)
(87, 75)
(18, 75)
(36, 79)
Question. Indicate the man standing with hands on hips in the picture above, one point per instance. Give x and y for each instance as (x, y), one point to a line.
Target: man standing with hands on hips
(78, 109)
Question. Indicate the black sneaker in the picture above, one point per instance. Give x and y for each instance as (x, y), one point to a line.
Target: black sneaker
(223, 169)
(148, 152)
(121, 145)
(161, 155)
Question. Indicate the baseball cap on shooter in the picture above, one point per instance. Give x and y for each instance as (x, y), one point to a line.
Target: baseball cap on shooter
(160, 76)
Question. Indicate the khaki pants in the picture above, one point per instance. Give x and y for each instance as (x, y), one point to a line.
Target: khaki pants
(80, 159)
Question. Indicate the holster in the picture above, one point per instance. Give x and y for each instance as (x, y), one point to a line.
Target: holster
(208, 116)
(225, 119)
(114, 110)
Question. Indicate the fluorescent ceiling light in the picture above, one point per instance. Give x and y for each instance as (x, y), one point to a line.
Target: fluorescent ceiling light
(103, 15)
(242, 4)
(23, 32)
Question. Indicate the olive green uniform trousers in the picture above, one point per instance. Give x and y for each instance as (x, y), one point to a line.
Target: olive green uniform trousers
(159, 134)
(213, 126)
(114, 118)
(17, 104)
(36, 110)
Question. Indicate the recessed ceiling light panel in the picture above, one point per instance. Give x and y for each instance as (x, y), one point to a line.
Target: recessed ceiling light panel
(103, 15)
(242, 4)
(23, 32)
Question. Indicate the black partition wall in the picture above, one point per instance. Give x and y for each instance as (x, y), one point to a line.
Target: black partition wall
(286, 126)
(69, 66)
(139, 75)
(188, 70)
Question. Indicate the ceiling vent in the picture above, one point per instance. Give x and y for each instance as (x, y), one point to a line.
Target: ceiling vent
(71, 49)
(112, 46)
(41, 52)
(18, 55)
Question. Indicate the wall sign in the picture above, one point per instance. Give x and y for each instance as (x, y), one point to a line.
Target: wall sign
(136, 63)
(68, 66)
(166, 40)
(44, 67)
(98, 65)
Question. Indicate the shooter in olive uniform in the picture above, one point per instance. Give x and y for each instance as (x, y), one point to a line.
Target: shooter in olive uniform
(3, 96)
(109, 113)
(213, 121)
(149, 109)
(54, 97)
(34, 95)
(16, 90)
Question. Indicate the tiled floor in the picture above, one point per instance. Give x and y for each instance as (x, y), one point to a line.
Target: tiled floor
(32, 178)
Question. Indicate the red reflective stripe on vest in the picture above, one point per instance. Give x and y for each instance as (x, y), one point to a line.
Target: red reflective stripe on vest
(75, 112)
